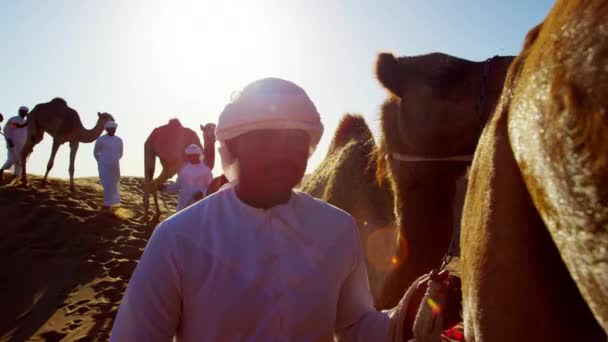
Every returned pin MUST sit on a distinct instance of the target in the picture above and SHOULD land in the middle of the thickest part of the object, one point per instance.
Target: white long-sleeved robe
(18, 136)
(191, 178)
(108, 151)
(221, 270)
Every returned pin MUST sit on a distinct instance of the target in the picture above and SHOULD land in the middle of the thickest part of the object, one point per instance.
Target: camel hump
(174, 123)
(351, 127)
(58, 101)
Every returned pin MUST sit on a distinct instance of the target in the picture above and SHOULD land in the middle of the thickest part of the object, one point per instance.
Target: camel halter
(403, 157)
(454, 242)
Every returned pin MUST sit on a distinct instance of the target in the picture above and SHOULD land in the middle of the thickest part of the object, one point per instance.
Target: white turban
(269, 103)
(193, 149)
(111, 124)
(24, 108)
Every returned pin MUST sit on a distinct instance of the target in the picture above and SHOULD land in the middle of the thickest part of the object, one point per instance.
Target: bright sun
(217, 44)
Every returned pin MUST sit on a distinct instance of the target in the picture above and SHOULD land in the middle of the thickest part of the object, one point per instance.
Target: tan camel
(64, 125)
(346, 178)
(431, 122)
(168, 142)
(535, 220)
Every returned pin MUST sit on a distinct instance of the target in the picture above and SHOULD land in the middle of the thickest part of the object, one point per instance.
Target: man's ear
(232, 146)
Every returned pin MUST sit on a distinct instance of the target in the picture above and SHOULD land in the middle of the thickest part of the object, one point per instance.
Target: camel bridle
(454, 245)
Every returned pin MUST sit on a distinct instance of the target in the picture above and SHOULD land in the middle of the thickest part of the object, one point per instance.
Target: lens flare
(435, 308)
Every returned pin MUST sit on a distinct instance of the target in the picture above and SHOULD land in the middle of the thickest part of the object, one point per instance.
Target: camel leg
(25, 152)
(73, 149)
(146, 199)
(162, 178)
(49, 166)
(148, 183)
(155, 197)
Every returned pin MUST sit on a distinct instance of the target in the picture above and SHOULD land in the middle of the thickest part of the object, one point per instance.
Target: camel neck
(90, 135)
(497, 72)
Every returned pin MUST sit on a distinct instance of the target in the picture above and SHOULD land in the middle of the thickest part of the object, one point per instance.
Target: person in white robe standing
(257, 261)
(192, 179)
(108, 151)
(15, 134)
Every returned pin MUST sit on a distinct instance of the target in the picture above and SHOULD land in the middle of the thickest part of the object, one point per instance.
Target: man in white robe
(257, 261)
(192, 179)
(108, 151)
(15, 134)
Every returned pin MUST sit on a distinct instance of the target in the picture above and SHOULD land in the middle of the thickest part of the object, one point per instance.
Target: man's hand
(10, 143)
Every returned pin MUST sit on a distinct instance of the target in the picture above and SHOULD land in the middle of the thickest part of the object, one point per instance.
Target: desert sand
(65, 263)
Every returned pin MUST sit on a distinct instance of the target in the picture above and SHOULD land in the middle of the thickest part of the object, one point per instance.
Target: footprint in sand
(123, 269)
(112, 295)
(83, 310)
(53, 336)
(110, 264)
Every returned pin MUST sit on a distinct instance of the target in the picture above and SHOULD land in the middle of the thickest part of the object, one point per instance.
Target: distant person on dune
(257, 261)
(15, 134)
(107, 152)
(192, 179)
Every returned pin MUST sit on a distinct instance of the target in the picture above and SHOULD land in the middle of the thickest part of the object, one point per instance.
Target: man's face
(23, 113)
(111, 131)
(272, 161)
(193, 158)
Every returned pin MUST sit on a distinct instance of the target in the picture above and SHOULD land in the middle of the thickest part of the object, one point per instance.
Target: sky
(147, 61)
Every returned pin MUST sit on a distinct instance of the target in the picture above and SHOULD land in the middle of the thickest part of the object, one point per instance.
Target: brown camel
(535, 220)
(64, 125)
(431, 122)
(168, 142)
(346, 179)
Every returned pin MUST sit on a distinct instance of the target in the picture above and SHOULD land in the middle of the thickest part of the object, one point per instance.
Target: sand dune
(65, 264)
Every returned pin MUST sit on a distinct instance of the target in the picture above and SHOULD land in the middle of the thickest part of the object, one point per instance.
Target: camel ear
(98, 114)
(202, 127)
(389, 74)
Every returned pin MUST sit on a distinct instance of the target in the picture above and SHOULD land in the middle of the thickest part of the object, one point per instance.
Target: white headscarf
(269, 103)
(193, 149)
(111, 124)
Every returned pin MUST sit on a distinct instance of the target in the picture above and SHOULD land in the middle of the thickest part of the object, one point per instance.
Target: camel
(64, 125)
(534, 237)
(431, 121)
(346, 179)
(168, 142)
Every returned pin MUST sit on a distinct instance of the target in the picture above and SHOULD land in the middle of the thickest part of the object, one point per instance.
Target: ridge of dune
(65, 264)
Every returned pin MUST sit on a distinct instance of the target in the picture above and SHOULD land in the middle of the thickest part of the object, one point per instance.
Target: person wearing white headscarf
(15, 134)
(108, 151)
(257, 261)
(192, 179)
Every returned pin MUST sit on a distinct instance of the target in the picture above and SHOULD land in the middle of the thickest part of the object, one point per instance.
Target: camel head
(208, 131)
(432, 110)
(102, 118)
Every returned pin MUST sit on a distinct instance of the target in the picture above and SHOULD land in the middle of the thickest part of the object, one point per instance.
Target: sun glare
(217, 45)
